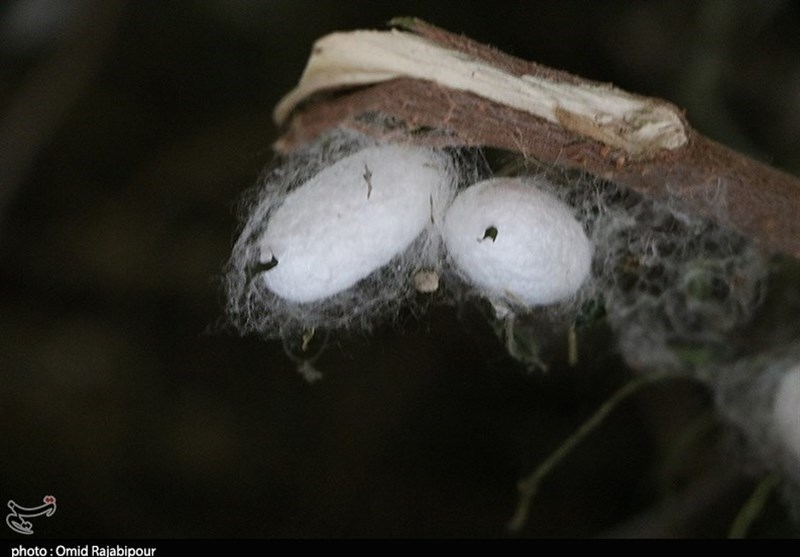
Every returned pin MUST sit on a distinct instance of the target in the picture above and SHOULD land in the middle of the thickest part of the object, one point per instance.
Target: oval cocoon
(516, 241)
(786, 411)
(352, 218)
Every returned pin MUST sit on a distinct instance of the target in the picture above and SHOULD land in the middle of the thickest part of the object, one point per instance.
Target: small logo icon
(16, 518)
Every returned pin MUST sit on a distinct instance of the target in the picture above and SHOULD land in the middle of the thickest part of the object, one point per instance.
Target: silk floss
(349, 229)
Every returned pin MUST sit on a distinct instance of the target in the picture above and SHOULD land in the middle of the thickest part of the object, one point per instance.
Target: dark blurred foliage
(129, 131)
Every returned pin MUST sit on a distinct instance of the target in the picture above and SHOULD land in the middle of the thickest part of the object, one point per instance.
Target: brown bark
(702, 177)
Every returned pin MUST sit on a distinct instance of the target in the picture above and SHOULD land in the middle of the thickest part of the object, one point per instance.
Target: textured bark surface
(702, 177)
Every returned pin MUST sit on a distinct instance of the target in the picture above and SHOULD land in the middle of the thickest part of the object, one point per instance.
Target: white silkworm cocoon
(786, 412)
(517, 242)
(352, 218)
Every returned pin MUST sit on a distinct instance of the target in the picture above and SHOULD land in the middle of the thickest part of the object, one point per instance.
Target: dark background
(127, 133)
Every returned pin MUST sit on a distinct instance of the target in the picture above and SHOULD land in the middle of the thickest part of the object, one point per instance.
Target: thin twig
(529, 486)
(753, 508)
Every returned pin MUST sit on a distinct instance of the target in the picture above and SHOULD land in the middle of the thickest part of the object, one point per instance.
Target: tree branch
(441, 89)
